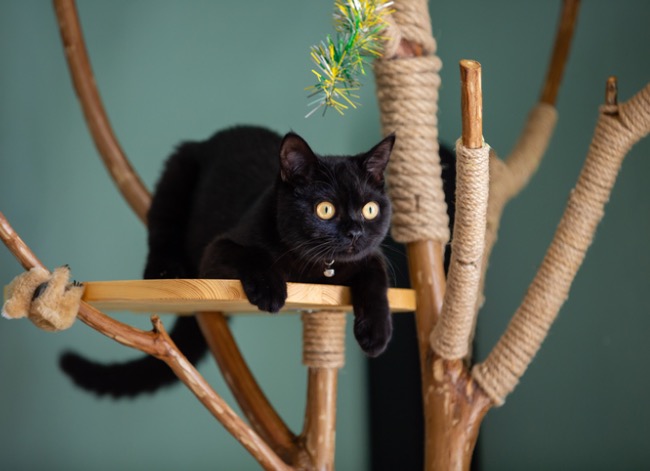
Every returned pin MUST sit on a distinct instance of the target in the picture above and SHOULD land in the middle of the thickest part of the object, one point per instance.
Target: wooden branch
(427, 275)
(16, 246)
(458, 406)
(564, 35)
(323, 353)
(186, 372)
(261, 415)
(615, 133)
(160, 345)
(99, 125)
(611, 92)
(319, 431)
(471, 102)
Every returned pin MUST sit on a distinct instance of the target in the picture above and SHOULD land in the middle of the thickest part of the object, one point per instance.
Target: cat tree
(457, 393)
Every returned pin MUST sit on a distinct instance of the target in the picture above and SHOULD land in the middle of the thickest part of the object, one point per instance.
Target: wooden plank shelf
(186, 296)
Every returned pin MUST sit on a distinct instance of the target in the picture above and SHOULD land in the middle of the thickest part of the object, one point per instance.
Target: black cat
(248, 204)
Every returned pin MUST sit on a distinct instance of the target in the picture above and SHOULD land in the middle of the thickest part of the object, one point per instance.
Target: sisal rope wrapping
(617, 130)
(449, 338)
(407, 91)
(323, 335)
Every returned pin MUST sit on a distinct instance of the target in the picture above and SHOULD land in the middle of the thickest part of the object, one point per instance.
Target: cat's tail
(143, 375)
(168, 218)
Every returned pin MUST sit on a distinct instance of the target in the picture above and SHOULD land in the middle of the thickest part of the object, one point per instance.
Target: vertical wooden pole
(323, 354)
(320, 417)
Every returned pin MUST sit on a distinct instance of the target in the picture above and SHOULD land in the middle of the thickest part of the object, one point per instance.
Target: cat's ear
(297, 160)
(376, 159)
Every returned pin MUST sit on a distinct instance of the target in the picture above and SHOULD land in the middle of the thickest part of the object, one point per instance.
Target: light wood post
(323, 354)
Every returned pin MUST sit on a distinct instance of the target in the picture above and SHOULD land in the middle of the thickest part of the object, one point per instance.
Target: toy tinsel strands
(359, 25)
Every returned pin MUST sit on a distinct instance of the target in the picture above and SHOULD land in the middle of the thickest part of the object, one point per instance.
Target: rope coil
(323, 339)
(450, 337)
(407, 91)
(615, 134)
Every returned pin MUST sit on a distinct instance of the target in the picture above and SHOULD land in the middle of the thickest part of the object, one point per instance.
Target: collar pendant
(329, 271)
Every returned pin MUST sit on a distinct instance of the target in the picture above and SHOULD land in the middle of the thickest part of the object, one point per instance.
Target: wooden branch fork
(456, 393)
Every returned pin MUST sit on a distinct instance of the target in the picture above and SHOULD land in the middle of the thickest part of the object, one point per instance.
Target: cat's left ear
(297, 160)
(376, 159)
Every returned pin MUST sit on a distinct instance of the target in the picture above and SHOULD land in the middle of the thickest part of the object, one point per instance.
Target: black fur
(241, 205)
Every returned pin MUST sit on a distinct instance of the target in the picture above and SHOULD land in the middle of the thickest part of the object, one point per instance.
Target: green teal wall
(171, 70)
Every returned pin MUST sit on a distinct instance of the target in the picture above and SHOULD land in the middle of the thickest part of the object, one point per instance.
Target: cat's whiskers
(317, 255)
(312, 252)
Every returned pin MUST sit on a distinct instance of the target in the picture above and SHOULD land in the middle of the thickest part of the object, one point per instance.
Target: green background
(172, 70)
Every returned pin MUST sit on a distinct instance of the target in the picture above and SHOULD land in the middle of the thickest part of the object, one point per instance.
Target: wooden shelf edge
(186, 296)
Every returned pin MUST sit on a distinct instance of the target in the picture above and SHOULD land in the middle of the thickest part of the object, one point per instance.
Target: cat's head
(332, 208)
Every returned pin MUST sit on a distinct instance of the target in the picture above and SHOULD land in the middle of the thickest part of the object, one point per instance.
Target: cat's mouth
(351, 252)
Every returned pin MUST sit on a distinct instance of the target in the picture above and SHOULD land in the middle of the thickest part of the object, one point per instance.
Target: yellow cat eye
(325, 210)
(370, 210)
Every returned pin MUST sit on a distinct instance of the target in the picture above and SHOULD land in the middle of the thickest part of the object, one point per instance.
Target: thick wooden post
(323, 354)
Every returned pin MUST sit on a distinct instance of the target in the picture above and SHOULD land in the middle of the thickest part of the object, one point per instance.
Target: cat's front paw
(266, 290)
(373, 332)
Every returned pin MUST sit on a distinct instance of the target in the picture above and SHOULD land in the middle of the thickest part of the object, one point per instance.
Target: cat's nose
(354, 234)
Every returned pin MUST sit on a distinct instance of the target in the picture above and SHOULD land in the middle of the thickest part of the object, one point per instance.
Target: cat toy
(359, 26)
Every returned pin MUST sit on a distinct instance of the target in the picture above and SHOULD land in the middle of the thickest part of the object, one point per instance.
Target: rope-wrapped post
(618, 128)
(323, 354)
(407, 90)
(450, 338)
